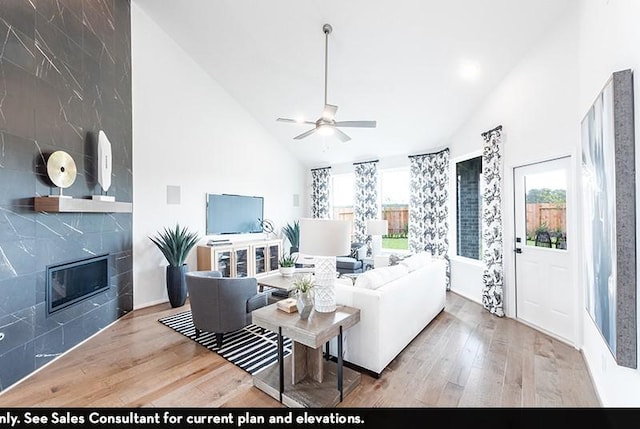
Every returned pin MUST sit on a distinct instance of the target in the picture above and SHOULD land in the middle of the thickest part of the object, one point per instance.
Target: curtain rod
(365, 162)
(498, 128)
(320, 168)
(430, 153)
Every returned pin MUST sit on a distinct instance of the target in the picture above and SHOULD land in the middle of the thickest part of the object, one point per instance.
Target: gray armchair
(222, 304)
(352, 263)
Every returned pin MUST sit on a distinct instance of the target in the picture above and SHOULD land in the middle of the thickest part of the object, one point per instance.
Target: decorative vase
(287, 271)
(304, 304)
(177, 285)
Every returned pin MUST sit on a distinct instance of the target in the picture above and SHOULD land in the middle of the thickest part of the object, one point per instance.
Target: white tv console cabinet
(241, 259)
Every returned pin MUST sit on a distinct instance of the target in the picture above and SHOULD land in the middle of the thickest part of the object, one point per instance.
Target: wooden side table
(306, 378)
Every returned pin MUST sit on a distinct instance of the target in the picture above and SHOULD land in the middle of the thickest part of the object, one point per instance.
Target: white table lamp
(325, 239)
(376, 228)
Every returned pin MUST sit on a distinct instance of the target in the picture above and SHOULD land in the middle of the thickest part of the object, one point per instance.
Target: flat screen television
(234, 214)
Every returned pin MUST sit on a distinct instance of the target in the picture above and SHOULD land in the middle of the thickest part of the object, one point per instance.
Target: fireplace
(74, 281)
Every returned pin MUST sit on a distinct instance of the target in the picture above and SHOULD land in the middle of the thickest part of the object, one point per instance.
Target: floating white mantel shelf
(80, 205)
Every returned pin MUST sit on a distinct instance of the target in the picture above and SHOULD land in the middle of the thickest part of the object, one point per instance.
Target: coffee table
(279, 282)
(275, 281)
(351, 276)
(305, 378)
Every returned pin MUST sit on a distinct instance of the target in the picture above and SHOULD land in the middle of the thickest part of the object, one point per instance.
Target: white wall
(188, 131)
(536, 105)
(609, 41)
(540, 105)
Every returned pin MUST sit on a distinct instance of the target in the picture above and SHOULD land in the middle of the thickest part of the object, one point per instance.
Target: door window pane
(546, 209)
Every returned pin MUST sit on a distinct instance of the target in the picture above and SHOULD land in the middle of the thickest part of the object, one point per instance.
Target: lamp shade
(325, 237)
(377, 227)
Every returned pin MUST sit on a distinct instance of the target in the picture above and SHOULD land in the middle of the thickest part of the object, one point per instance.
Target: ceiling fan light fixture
(327, 125)
(325, 130)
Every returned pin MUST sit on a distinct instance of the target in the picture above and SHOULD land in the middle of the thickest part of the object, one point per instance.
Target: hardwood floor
(464, 358)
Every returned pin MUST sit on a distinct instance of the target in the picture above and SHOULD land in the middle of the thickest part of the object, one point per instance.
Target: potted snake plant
(292, 232)
(175, 244)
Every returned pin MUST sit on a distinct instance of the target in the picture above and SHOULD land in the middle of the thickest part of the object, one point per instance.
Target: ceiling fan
(327, 124)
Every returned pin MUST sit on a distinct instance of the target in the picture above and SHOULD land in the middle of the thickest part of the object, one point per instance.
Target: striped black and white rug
(250, 348)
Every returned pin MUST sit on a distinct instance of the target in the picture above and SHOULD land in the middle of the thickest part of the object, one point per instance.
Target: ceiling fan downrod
(326, 28)
(327, 121)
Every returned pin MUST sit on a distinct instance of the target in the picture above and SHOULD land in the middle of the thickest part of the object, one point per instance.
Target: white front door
(545, 295)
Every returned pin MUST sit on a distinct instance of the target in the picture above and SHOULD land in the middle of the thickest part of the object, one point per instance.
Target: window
(468, 207)
(342, 191)
(546, 209)
(394, 197)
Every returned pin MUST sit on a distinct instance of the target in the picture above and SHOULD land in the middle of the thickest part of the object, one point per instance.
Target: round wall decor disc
(61, 169)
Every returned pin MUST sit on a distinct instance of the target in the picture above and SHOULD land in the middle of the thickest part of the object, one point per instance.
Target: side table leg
(326, 351)
(340, 362)
(281, 360)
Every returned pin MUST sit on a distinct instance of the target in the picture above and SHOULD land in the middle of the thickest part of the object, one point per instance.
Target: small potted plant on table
(287, 265)
(303, 291)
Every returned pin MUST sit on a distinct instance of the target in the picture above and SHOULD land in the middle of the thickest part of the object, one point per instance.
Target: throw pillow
(394, 259)
(354, 252)
(368, 280)
(416, 261)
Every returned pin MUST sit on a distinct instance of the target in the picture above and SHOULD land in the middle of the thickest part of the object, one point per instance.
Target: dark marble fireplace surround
(65, 74)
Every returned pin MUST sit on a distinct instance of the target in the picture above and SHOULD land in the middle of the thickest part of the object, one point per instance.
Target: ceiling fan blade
(360, 124)
(305, 134)
(341, 135)
(329, 112)
(294, 121)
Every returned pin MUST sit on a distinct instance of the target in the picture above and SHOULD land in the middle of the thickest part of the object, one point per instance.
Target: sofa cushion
(373, 279)
(416, 261)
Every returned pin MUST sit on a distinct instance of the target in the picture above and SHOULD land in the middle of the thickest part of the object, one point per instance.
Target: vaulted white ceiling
(399, 62)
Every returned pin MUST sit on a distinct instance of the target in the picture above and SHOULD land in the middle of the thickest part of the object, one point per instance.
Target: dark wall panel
(65, 74)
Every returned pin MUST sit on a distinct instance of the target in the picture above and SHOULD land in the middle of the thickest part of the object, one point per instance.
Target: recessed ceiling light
(469, 70)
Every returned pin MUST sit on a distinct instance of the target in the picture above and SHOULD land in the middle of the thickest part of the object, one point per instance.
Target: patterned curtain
(366, 198)
(429, 205)
(320, 186)
(492, 275)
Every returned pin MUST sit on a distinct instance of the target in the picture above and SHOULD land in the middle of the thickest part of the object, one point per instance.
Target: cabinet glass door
(223, 262)
(274, 256)
(260, 259)
(242, 262)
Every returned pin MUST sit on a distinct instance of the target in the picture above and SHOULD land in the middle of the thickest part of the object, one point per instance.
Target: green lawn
(395, 243)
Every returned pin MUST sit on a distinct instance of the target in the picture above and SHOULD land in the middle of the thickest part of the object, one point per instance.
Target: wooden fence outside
(553, 215)
(398, 217)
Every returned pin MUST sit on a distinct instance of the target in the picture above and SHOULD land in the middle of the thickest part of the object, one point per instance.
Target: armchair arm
(257, 301)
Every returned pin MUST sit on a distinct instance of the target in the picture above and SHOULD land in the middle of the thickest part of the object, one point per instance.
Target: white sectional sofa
(396, 303)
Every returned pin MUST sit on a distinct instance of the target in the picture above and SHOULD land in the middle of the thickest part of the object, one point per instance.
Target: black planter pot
(177, 285)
